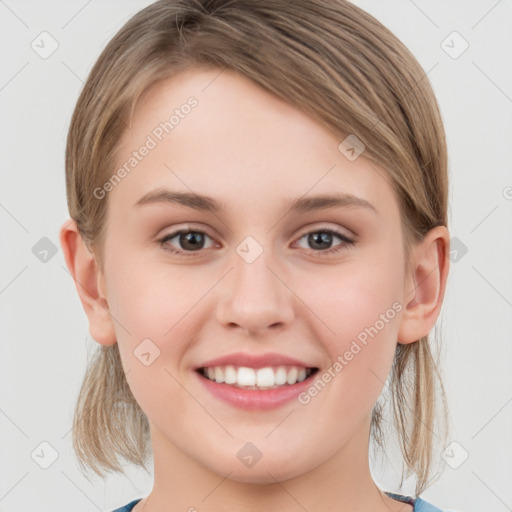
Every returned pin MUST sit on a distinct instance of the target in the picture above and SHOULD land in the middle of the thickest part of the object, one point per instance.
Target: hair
(334, 62)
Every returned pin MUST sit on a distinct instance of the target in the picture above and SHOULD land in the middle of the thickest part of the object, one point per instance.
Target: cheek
(352, 297)
(157, 308)
(359, 308)
(151, 299)
(150, 310)
(358, 331)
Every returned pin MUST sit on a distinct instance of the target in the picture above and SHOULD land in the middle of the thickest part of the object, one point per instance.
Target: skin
(255, 154)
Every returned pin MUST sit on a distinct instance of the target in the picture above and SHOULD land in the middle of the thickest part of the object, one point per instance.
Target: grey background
(43, 329)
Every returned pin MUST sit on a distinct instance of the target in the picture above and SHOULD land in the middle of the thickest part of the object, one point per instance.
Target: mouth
(257, 379)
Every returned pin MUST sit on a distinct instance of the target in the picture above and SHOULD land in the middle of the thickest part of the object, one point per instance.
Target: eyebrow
(206, 203)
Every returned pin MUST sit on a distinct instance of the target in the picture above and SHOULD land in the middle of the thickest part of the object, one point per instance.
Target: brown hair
(328, 58)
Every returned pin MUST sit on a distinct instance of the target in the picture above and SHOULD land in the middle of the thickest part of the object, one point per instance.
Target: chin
(261, 473)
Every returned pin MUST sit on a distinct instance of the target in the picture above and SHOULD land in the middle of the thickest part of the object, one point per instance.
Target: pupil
(321, 237)
(192, 239)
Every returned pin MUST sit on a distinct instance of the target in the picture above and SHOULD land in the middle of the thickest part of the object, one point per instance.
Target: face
(250, 286)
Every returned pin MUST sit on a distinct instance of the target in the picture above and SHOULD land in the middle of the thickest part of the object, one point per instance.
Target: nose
(255, 296)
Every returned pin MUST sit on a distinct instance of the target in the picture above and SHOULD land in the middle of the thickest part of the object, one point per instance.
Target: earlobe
(88, 281)
(425, 286)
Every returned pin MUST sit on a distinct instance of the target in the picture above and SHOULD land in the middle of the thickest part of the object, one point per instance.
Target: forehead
(217, 133)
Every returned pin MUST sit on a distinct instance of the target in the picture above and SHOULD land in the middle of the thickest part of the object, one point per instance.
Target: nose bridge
(253, 296)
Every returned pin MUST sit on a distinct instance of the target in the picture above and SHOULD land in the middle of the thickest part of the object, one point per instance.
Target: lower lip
(253, 399)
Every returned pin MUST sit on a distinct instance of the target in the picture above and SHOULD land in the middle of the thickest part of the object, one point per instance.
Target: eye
(321, 240)
(190, 241)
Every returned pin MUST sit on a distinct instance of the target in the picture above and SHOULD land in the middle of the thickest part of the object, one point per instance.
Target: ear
(425, 286)
(89, 283)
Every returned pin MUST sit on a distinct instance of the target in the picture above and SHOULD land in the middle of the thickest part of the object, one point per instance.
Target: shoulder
(127, 508)
(419, 504)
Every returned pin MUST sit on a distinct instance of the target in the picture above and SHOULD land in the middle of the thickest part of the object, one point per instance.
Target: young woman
(258, 235)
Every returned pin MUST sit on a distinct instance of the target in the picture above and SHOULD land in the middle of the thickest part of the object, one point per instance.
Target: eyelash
(347, 242)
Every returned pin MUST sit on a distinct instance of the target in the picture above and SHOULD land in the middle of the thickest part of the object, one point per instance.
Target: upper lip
(254, 360)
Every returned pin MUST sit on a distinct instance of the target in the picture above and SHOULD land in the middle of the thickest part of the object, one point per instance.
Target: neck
(342, 483)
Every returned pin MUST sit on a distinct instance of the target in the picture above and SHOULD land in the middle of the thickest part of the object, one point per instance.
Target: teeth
(244, 376)
(293, 373)
(302, 375)
(280, 376)
(260, 378)
(229, 375)
(265, 377)
(219, 374)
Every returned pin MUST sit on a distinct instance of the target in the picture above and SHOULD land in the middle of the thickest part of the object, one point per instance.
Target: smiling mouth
(269, 377)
